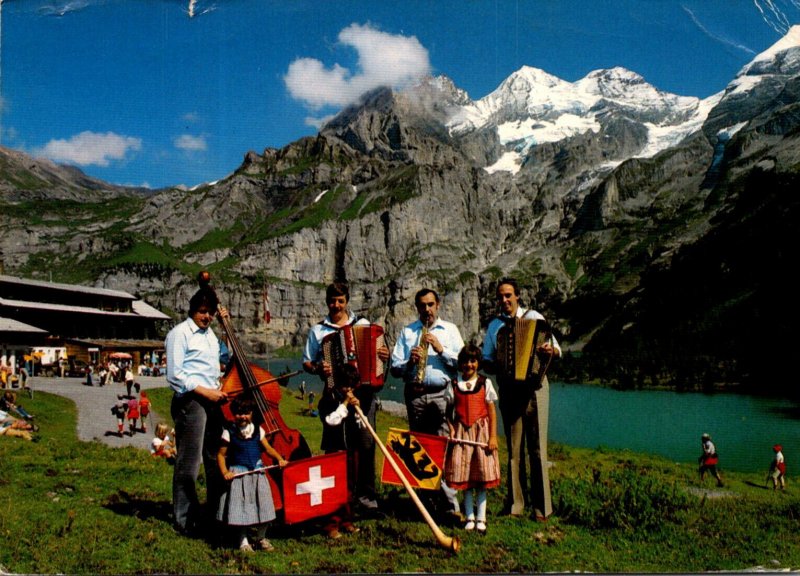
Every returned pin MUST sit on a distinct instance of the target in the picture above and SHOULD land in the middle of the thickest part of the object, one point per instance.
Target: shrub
(625, 498)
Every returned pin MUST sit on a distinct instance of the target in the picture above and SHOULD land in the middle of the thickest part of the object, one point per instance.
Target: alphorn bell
(452, 543)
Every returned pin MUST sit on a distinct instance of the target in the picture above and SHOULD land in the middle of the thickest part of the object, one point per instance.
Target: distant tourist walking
(709, 459)
(144, 409)
(777, 468)
(133, 415)
(119, 410)
(129, 380)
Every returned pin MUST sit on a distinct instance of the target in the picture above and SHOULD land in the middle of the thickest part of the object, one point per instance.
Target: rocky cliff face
(596, 195)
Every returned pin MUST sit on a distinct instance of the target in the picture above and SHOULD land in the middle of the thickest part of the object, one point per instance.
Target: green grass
(84, 508)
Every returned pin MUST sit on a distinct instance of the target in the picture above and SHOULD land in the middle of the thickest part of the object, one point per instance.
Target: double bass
(243, 377)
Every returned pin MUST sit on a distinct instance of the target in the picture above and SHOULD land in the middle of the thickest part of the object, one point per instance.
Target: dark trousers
(427, 413)
(198, 429)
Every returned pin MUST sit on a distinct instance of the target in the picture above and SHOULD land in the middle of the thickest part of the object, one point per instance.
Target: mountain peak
(530, 77)
(790, 40)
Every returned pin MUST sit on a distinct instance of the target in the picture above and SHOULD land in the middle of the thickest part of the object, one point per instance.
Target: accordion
(356, 345)
(517, 359)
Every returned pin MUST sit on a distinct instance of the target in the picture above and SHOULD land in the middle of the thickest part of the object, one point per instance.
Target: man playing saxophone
(425, 356)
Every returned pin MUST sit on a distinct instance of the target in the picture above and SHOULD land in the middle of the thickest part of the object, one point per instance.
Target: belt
(421, 389)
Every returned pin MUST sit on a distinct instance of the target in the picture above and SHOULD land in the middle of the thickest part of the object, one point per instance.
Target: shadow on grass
(755, 485)
(125, 504)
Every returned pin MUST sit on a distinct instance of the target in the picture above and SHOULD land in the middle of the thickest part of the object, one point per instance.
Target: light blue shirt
(312, 352)
(490, 342)
(193, 358)
(440, 369)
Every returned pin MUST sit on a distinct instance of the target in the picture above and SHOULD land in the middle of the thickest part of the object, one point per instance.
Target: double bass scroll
(243, 377)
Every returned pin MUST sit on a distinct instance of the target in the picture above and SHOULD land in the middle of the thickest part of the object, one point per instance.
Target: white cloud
(191, 143)
(61, 8)
(383, 60)
(318, 122)
(90, 148)
(716, 37)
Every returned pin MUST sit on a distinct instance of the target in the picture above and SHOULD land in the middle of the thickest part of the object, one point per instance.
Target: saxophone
(423, 357)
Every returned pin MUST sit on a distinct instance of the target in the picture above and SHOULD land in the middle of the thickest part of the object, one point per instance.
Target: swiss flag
(315, 486)
(265, 296)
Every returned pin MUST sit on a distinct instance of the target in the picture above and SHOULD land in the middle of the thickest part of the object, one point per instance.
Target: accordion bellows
(517, 342)
(356, 345)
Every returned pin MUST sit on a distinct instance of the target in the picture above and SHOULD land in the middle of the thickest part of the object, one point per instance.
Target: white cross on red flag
(314, 487)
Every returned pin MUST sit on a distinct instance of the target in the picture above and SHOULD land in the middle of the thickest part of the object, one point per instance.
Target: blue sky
(167, 92)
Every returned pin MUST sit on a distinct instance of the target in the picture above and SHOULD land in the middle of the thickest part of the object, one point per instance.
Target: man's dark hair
(203, 297)
(337, 289)
(470, 352)
(424, 292)
(511, 282)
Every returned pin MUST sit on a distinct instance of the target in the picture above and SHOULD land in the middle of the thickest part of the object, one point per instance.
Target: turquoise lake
(744, 428)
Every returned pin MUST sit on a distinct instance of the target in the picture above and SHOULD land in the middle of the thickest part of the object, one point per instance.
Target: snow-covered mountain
(532, 107)
(628, 215)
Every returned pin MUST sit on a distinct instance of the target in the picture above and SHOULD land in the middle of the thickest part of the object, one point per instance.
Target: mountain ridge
(390, 196)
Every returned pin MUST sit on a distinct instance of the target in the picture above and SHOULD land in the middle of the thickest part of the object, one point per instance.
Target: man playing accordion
(523, 404)
(337, 298)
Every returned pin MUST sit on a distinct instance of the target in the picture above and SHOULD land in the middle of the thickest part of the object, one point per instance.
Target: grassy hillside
(81, 508)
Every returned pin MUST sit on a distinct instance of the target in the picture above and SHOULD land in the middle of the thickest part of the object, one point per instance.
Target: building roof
(141, 310)
(11, 325)
(117, 344)
(66, 287)
(144, 309)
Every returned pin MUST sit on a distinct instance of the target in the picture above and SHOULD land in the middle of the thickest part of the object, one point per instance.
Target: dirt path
(95, 420)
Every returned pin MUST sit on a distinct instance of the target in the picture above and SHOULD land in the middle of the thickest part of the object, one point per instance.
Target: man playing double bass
(337, 298)
(194, 358)
(524, 413)
(425, 356)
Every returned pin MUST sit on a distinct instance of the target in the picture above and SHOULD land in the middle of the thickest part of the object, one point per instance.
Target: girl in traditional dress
(248, 498)
(472, 461)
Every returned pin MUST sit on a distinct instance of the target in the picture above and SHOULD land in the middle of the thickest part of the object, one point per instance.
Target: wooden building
(80, 322)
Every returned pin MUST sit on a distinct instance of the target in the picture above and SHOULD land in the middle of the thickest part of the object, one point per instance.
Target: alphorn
(452, 543)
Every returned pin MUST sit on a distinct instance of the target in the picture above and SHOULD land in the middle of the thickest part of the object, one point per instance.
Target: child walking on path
(119, 410)
(472, 461)
(777, 468)
(248, 498)
(133, 415)
(144, 409)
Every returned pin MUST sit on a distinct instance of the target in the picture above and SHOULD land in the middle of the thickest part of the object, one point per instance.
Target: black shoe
(189, 531)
